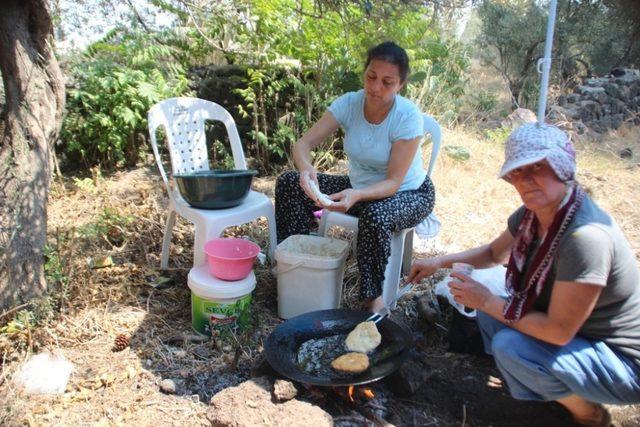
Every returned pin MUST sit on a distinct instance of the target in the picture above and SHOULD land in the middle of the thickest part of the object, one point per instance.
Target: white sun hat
(533, 142)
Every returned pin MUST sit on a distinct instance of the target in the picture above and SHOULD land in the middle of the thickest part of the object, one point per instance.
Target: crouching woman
(570, 329)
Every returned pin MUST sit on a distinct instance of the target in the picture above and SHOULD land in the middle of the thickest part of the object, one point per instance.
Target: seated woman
(570, 328)
(387, 187)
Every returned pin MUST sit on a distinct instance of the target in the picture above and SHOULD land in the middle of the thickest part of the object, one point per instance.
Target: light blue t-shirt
(369, 145)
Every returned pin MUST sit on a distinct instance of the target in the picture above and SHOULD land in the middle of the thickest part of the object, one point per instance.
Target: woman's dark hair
(392, 53)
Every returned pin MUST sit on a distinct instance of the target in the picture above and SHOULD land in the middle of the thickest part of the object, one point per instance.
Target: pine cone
(120, 343)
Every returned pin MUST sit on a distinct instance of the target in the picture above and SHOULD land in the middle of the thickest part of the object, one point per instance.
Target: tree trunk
(34, 91)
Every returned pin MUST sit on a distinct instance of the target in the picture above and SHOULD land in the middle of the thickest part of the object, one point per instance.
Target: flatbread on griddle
(352, 363)
(364, 338)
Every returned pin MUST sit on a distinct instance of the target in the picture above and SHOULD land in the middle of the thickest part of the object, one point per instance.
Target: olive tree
(591, 36)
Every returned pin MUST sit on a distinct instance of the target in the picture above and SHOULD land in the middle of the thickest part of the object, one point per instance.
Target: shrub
(117, 80)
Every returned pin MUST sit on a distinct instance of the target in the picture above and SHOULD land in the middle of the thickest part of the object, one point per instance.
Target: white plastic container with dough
(309, 271)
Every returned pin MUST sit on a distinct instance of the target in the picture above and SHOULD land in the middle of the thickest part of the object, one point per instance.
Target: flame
(351, 388)
(368, 393)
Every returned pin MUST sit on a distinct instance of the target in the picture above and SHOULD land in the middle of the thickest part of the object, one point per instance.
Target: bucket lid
(203, 284)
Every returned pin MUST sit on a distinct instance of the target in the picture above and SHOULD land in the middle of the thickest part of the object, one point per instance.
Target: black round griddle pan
(282, 345)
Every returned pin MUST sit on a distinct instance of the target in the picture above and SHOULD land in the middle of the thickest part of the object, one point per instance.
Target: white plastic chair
(184, 122)
(402, 241)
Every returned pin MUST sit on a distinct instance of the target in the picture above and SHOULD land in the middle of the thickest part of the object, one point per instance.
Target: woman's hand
(344, 200)
(423, 268)
(307, 176)
(468, 292)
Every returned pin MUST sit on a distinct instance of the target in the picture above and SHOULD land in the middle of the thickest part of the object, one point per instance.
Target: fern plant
(117, 80)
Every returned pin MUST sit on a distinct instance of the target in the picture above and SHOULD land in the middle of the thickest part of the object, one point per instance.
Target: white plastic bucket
(217, 303)
(309, 271)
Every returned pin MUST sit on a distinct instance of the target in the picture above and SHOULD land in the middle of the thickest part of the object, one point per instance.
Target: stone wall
(601, 103)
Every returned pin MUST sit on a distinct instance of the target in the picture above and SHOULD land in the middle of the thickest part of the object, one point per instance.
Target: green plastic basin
(215, 189)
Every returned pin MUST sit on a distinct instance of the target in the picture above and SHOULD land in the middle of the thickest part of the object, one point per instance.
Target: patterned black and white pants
(377, 220)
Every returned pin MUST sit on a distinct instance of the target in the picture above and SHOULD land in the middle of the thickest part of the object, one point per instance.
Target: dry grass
(471, 202)
(122, 216)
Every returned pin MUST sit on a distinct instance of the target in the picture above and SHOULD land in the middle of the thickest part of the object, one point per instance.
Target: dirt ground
(105, 238)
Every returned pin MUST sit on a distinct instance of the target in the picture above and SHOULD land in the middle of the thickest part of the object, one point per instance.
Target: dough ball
(322, 198)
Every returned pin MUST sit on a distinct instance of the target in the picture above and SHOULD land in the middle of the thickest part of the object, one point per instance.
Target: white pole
(545, 62)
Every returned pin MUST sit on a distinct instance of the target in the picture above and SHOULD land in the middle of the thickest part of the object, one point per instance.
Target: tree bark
(34, 91)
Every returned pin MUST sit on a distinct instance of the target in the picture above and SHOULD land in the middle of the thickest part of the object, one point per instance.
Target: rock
(595, 81)
(626, 153)
(599, 97)
(168, 386)
(562, 100)
(617, 106)
(520, 116)
(580, 128)
(590, 110)
(596, 128)
(412, 375)
(284, 390)
(558, 114)
(628, 76)
(590, 90)
(616, 121)
(573, 98)
(249, 404)
(605, 123)
(613, 90)
(428, 309)
(490, 124)
(617, 72)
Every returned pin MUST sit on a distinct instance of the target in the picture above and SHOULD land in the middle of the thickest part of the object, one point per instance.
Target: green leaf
(457, 152)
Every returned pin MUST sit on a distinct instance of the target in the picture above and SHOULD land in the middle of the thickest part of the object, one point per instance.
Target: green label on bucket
(207, 315)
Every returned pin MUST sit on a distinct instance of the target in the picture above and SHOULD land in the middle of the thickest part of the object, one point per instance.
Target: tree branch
(203, 35)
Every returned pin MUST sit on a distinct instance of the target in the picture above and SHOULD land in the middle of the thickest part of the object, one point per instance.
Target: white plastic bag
(425, 232)
(44, 374)
(492, 278)
(429, 227)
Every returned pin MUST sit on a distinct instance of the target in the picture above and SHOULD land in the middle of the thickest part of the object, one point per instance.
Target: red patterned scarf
(525, 287)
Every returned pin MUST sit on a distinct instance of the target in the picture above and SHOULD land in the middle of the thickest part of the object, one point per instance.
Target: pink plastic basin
(230, 258)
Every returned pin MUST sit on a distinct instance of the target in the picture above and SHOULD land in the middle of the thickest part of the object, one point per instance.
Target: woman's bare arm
(494, 253)
(308, 142)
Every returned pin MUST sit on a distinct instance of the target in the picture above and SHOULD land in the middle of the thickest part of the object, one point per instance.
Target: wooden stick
(464, 415)
(377, 420)
(14, 309)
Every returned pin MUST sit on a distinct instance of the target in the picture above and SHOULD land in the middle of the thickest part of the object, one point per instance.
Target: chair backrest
(183, 120)
(432, 127)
